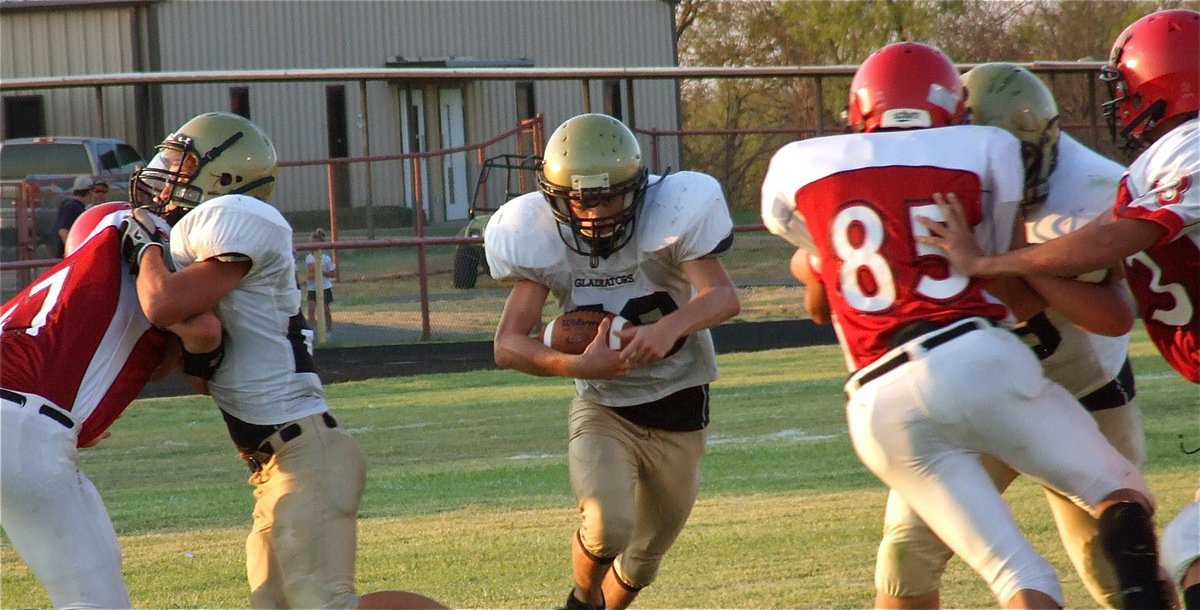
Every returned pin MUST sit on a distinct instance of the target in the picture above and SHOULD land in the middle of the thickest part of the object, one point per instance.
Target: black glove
(138, 232)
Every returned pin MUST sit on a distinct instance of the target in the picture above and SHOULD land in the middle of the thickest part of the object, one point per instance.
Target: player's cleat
(573, 603)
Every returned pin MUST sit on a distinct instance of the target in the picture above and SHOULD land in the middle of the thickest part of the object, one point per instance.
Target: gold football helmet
(590, 159)
(1015, 99)
(213, 154)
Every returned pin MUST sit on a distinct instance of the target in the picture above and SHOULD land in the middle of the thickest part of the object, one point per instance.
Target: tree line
(813, 33)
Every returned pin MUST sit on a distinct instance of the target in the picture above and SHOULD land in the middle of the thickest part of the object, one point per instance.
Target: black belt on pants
(287, 432)
(47, 410)
(879, 369)
(1115, 393)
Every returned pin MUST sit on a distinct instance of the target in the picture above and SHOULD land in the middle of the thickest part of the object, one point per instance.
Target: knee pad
(636, 576)
(910, 562)
(604, 534)
(597, 559)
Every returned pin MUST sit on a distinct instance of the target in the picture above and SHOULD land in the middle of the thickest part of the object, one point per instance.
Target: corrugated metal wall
(325, 34)
(82, 40)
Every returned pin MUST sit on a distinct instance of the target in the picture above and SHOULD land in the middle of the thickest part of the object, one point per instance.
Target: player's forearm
(522, 353)
(170, 298)
(1103, 309)
(1096, 246)
(1018, 295)
(153, 289)
(200, 333)
(708, 308)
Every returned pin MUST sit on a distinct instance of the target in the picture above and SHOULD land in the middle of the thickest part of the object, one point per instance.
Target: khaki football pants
(635, 487)
(301, 550)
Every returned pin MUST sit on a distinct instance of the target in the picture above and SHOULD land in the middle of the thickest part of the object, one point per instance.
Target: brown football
(572, 331)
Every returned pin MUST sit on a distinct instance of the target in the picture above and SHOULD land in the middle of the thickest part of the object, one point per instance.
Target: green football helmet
(588, 160)
(1013, 98)
(213, 154)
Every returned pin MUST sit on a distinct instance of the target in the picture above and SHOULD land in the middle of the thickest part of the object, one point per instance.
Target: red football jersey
(93, 357)
(1160, 187)
(853, 201)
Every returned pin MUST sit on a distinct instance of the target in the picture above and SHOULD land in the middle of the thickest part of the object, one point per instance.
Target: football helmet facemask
(589, 160)
(1015, 99)
(905, 85)
(213, 154)
(1152, 74)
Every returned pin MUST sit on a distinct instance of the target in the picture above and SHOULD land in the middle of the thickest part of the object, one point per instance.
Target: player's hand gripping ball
(140, 231)
(573, 331)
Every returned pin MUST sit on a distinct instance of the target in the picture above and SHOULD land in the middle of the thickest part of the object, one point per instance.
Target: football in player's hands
(573, 331)
(138, 232)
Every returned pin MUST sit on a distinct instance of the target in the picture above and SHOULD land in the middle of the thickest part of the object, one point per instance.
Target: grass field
(468, 501)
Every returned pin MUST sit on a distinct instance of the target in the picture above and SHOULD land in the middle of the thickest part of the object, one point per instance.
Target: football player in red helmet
(938, 378)
(1066, 186)
(1154, 77)
(1154, 71)
(1151, 75)
(905, 85)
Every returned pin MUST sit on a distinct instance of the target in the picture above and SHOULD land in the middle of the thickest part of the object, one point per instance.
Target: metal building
(317, 120)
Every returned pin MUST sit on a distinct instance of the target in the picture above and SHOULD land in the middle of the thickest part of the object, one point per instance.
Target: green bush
(351, 218)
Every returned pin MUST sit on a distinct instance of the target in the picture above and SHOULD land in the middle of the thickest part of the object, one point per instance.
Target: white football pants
(921, 427)
(53, 514)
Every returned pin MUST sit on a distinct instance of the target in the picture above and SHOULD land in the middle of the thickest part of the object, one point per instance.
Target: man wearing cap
(70, 209)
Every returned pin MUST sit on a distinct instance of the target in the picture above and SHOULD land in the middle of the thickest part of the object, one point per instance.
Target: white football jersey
(267, 376)
(683, 217)
(1082, 187)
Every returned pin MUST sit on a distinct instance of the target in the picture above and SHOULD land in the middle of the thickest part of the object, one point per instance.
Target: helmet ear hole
(225, 179)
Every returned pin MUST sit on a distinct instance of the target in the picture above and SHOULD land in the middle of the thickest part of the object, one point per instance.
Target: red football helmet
(1152, 73)
(905, 85)
(87, 221)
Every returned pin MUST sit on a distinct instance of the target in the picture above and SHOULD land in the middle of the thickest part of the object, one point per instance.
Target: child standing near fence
(327, 273)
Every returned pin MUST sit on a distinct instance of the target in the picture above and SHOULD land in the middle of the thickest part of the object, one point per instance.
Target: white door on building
(412, 132)
(454, 168)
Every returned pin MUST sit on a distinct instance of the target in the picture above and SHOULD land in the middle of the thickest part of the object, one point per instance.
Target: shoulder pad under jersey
(231, 224)
(778, 206)
(521, 239)
(685, 211)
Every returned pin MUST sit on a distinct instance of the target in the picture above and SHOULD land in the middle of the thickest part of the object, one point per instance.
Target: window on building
(239, 101)
(612, 98)
(24, 116)
(526, 103)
